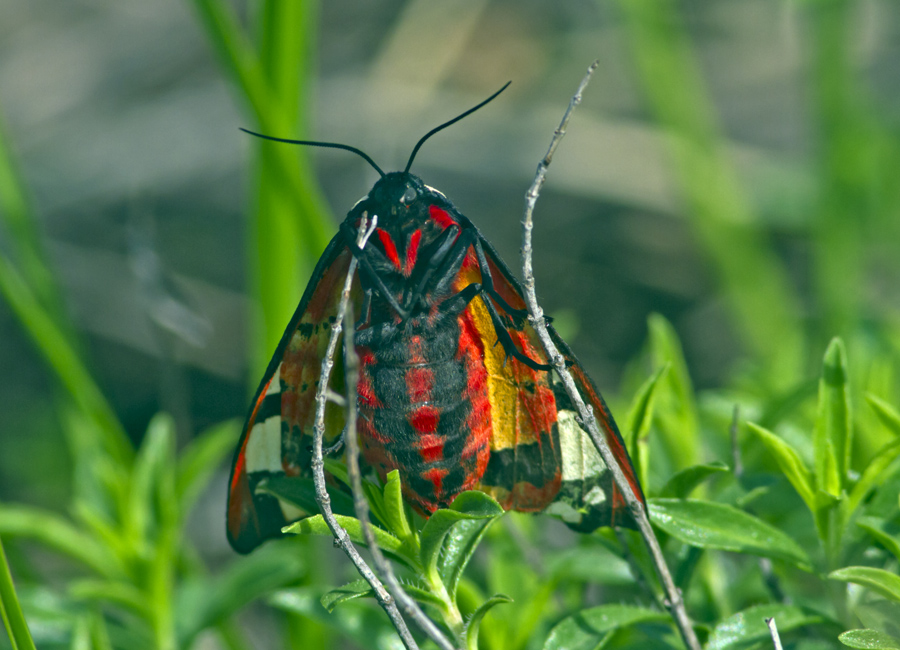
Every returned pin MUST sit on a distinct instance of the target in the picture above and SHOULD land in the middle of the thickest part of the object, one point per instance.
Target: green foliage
(797, 520)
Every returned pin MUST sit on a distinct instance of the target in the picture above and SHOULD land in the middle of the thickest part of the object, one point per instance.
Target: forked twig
(361, 506)
(341, 538)
(675, 603)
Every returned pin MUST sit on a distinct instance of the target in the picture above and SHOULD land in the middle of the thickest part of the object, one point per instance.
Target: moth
(455, 390)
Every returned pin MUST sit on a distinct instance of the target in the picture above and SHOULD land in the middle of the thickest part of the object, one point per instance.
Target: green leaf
(723, 527)
(637, 425)
(684, 482)
(869, 640)
(395, 509)
(362, 589)
(884, 582)
(468, 505)
(874, 474)
(205, 601)
(584, 630)
(350, 591)
(790, 464)
(874, 526)
(459, 546)
(199, 460)
(475, 620)
(386, 542)
(676, 409)
(112, 592)
(57, 533)
(834, 429)
(886, 414)
(151, 503)
(749, 626)
(367, 626)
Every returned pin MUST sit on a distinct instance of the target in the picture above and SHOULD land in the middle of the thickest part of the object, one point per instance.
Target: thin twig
(361, 506)
(738, 468)
(341, 538)
(773, 630)
(675, 603)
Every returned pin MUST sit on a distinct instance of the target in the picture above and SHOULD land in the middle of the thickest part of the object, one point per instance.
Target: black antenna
(446, 124)
(328, 145)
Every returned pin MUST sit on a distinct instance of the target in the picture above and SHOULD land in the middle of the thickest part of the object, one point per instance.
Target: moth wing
(586, 498)
(278, 430)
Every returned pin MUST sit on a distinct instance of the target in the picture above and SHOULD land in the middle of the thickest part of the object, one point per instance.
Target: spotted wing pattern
(580, 491)
(278, 431)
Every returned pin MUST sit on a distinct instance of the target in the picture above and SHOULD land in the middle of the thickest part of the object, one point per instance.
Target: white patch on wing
(580, 459)
(275, 384)
(264, 446)
(291, 512)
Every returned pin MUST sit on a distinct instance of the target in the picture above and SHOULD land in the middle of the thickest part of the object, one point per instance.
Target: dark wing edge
(511, 290)
(254, 518)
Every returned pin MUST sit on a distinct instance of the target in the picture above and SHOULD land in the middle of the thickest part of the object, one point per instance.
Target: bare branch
(674, 602)
(773, 630)
(342, 539)
(410, 607)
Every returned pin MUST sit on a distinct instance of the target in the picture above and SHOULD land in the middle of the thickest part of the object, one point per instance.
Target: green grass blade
(18, 218)
(62, 358)
(12, 610)
(764, 309)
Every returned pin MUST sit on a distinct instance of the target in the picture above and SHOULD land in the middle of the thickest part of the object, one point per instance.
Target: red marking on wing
(510, 290)
(412, 252)
(441, 216)
(253, 518)
(471, 353)
(390, 248)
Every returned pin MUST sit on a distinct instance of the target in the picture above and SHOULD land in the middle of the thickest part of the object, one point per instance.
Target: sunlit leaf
(474, 623)
(723, 527)
(468, 505)
(869, 640)
(884, 582)
(749, 626)
(584, 630)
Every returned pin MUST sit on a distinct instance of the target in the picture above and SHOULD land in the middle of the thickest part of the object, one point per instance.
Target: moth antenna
(327, 145)
(456, 119)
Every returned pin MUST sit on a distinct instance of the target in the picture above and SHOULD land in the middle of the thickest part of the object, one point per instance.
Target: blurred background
(733, 167)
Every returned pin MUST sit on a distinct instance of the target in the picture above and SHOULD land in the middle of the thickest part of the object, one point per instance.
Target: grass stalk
(751, 275)
(13, 618)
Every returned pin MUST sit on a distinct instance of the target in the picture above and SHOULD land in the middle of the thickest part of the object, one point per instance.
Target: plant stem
(536, 318)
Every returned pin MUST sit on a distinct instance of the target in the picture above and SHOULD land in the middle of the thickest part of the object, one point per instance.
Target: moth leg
(362, 255)
(365, 311)
(503, 337)
(487, 281)
(451, 243)
(454, 305)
